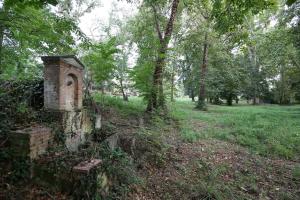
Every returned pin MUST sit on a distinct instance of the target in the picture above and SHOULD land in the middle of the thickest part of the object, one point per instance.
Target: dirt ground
(213, 169)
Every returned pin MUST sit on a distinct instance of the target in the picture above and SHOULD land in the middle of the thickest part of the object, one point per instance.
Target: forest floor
(238, 152)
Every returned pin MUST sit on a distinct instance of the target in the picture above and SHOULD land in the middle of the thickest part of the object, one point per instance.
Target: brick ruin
(63, 114)
(63, 98)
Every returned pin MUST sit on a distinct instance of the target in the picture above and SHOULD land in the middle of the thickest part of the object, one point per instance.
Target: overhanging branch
(157, 23)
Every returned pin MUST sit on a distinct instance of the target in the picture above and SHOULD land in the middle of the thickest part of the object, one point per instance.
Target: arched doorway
(71, 85)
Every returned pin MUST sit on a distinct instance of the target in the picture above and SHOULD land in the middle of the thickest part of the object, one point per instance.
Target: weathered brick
(63, 83)
(30, 142)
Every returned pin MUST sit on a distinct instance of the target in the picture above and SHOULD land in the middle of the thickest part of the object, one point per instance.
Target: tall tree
(157, 97)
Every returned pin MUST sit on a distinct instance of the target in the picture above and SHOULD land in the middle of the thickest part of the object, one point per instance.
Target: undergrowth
(132, 107)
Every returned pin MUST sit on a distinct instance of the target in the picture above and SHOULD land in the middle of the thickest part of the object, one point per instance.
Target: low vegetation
(192, 155)
(269, 130)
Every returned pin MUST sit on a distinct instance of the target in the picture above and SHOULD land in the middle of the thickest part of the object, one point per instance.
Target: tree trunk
(102, 88)
(1, 46)
(156, 98)
(202, 93)
(192, 95)
(253, 61)
(229, 100)
(125, 97)
(2, 28)
(237, 100)
(172, 84)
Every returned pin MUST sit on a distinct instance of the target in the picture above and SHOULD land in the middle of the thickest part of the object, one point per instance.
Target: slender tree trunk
(156, 98)
(102, 88)
(237, 100)
(161, 64)
(2, 28)
(172, 84)
(192, 95)
(253, 61)
(125, 97)
(1, 46)
(283, 99)
(202, 93)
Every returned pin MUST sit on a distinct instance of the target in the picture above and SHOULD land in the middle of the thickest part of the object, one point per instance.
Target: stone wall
(77, 126)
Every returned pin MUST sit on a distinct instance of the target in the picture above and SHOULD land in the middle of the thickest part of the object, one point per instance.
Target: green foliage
(17, 102)
(230, 14)
(290, 2)
(27, 29)
(278, 57)
(296, 173)
(100, 60)
(150, 148)
(20, 170)
(120, 169)
(144, 36)
(34, 3)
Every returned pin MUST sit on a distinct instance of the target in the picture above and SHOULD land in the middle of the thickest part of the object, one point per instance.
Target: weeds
(132, 107)
(296, 173)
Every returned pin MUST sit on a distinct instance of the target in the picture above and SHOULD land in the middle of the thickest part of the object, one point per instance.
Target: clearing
(238, 152)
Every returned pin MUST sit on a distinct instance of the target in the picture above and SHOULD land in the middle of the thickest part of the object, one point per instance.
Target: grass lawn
(265, 129)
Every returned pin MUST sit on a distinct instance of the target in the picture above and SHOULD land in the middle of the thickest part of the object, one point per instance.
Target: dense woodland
(217, 55)
(218, 51)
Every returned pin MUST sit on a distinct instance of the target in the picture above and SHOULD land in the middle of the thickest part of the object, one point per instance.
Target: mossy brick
(30, 142)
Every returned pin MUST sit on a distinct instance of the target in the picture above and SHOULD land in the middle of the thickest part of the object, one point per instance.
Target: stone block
(76, 125)
(86, 166)
(89, 180)
(113, 141)
(98, 123)
(87, 122)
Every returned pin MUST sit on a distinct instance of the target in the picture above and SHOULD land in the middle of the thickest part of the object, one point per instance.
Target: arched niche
(71, 92)
(63, 83)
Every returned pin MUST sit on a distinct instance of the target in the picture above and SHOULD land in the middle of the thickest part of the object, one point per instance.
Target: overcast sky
(92, 23)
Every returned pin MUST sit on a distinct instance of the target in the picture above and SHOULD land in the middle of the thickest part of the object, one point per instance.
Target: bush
(18, 102)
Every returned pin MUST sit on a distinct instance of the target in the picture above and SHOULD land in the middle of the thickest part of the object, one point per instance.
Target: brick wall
(31, 142)
(63, 85)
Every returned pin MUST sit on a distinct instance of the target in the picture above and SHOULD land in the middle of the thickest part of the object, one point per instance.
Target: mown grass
(264, 129)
